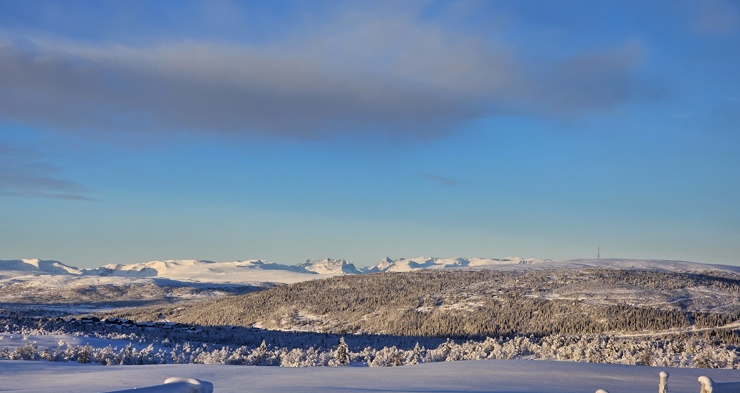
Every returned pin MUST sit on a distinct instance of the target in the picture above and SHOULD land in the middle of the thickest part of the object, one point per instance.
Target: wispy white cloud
(442, 180)
(717, 17)
(23, 174)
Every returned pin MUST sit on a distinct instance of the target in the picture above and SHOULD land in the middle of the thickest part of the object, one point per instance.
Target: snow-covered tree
(85, 355)
(27, 351)
(341, 355)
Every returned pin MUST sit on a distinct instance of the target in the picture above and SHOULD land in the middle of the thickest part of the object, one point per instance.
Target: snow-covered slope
(645, 264)
(35, 266)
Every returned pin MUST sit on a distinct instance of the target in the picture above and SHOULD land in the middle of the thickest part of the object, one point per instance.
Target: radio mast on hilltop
(598, 252)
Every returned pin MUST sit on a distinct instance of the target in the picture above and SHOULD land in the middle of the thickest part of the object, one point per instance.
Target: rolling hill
(561, 298)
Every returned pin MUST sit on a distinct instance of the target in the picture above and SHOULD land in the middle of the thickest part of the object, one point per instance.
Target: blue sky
(138, 130)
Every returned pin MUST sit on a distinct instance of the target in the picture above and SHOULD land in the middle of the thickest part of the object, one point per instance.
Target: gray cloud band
(295, 90)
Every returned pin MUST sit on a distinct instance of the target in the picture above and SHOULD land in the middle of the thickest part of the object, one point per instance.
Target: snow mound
(175, 385)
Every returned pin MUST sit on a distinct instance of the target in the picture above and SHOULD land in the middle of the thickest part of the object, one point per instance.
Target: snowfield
(510, 376)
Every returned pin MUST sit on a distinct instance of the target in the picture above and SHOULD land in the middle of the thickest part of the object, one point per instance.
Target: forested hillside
(115, 294)
(480, 303)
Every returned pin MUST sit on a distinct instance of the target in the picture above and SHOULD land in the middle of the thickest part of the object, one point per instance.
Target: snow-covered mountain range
(407, 265)
(197, 271)
(251, 271)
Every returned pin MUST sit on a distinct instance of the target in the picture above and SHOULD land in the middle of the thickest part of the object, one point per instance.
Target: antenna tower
(598, 252)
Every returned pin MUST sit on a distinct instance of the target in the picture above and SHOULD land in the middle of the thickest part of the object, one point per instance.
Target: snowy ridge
(509, 263)
(407, 265)
(37, 266)
(646, 264)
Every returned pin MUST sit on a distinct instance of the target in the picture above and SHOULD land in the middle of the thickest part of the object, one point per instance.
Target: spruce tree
(342, 353)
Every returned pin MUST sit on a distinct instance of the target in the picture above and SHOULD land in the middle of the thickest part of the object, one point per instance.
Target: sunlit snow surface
(525, 376)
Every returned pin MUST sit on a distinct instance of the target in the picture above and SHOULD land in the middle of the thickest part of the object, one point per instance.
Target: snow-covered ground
(510, 376)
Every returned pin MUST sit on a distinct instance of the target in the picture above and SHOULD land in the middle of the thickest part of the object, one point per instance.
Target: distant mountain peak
(330, 266)
(38, 266)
